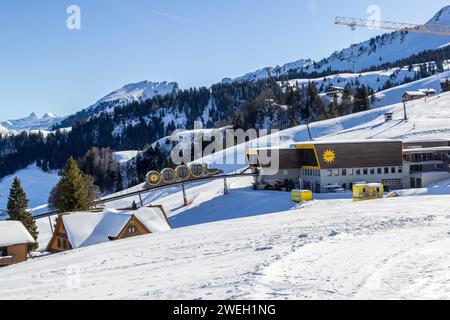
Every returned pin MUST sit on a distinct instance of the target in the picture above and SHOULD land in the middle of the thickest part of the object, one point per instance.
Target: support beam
(185, 200)
(51, 225)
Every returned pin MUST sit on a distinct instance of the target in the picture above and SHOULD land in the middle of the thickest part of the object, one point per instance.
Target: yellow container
(368, 191)
(302, 195)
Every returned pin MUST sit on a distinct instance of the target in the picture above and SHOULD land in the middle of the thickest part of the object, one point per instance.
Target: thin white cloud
(171, 16)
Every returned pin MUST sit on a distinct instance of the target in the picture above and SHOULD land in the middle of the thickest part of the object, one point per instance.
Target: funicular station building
(329, 166)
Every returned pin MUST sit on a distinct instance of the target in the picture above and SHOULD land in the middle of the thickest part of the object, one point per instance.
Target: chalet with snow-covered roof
(83, 229)
(332, 91)
(413, 95)
(14, 241)
(428, 92)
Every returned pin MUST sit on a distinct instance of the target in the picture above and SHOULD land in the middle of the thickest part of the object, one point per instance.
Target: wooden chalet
(413, 95)
(83, 229)
(14, 241)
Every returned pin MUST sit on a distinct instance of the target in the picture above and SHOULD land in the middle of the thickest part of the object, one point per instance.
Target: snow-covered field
(327, 249)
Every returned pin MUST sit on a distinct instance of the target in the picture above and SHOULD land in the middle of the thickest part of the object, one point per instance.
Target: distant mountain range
(378, 51)
(32, 122)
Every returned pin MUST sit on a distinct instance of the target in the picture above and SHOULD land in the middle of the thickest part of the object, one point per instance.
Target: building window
(358, 172)
(372, 171)
(386, 170)
(329, 173)
(336, 173)
(365, 172)
(400, 169)
(380, 171)
(344, 172)
(393, 170)
(350, 172)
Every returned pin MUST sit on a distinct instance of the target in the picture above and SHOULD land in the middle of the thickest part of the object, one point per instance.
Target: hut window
(131, 230)
(2, 252)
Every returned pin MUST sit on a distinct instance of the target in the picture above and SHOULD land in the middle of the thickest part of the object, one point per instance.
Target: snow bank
(36, 183)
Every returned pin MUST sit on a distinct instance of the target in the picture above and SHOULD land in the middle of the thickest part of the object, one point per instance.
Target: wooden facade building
(14, 241)
(82, 229)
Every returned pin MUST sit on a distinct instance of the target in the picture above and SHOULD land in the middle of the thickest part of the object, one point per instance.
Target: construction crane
(353, 23)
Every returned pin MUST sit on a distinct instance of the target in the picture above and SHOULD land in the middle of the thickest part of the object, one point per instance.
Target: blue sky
(44, 67)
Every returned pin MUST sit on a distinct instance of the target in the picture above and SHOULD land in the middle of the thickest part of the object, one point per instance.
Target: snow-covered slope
(394, 95)
(391, 248)
(36, 183)
(32, 122)
(272, 72)
(134, 92)
(428, 118)
(383, 49)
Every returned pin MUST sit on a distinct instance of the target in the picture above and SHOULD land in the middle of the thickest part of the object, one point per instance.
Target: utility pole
(225, 187)
(140, 199)
(404, 110)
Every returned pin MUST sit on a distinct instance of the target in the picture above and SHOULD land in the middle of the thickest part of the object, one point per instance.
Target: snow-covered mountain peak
(49, 115)
(139, 91)
(375, 52)
(31, 122)
(442, 17)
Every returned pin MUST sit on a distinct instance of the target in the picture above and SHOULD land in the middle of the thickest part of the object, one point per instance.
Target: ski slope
(36, 183)
(328, 249)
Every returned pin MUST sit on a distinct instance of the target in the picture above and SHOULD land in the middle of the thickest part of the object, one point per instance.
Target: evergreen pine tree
(18, 210)
(75, 191)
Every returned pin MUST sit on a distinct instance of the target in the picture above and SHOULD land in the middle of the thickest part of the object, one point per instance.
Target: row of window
(364, 171)
(311, 173)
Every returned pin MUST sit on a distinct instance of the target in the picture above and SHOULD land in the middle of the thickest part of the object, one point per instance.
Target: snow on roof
(153, 219)
(429, 90)
(370, 185)
(317, 142)
(88, 228)
(14, 232)
(427, 150)
(414, 93)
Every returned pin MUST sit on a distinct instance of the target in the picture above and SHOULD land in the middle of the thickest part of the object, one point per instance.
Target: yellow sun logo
(329, 156)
